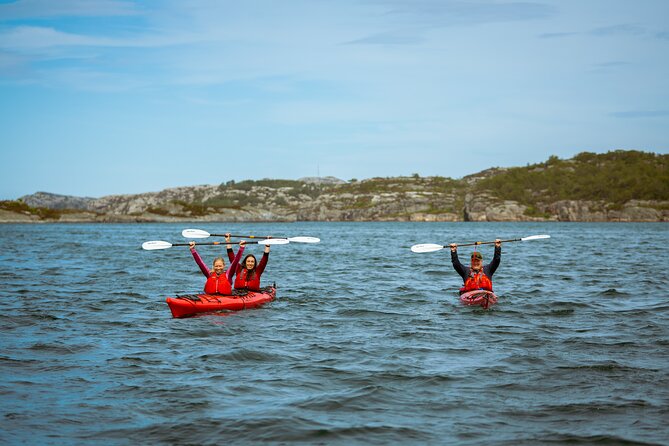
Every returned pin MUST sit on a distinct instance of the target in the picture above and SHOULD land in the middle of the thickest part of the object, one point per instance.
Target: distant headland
(621, 185)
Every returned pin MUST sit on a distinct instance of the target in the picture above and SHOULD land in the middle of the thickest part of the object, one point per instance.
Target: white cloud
(30, 38)
(22, 38)
(30, 9)
(431, 78)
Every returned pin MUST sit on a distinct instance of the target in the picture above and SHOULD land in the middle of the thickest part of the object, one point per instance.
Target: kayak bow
(483, 298)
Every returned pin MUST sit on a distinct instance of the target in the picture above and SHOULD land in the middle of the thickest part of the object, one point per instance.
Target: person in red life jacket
(477, 276)
(249, 270)
(218, 280)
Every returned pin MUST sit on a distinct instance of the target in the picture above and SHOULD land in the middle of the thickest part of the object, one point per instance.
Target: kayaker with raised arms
(218, 280)
(477, 276)
(249, 270)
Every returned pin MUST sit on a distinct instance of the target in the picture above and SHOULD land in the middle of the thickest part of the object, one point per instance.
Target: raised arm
(263, 261)
(231, 253)
(459, 267)
(490, 269)
(198, 260)
(235, 262)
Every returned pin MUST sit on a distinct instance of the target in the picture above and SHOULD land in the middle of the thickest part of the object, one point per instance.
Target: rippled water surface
(365, 344)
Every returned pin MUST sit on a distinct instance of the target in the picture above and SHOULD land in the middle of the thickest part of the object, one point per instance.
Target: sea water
(367, 342)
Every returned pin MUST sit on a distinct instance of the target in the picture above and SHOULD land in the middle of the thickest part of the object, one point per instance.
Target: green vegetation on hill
(43, 213)
(247, 185)
(236, 195)
(401, 184)
(615, 177)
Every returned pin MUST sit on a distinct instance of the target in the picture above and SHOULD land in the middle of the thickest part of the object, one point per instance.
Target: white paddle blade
(535, 237)
(195, 233)
(273, 241)
(156, 244)
(427, 247)
(304, 239)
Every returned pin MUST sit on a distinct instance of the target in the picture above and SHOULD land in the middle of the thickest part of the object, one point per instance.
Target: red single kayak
(479, 297)
(188, 305)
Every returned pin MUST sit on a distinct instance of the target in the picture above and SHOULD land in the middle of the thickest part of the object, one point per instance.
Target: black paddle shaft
(488, 243)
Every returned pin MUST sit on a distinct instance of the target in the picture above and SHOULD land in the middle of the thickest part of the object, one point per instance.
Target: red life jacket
(477, 281)
(242, 280)
(217, 284)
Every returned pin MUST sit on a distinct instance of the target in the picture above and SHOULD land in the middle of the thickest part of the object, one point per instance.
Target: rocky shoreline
(385, 208)
(620, 186)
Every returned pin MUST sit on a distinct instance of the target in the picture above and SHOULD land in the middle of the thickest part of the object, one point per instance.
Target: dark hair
(254, 258)
(251, 272)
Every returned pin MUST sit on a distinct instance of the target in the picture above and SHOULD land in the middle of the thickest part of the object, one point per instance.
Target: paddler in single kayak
(218, 280)
(248, 272)
(477, 276)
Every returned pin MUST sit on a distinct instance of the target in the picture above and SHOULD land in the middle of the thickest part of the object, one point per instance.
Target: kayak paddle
(159, 244)
(199, 233)
(432, 247)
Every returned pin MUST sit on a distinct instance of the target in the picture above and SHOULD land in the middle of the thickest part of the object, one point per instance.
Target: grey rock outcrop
(56, 201)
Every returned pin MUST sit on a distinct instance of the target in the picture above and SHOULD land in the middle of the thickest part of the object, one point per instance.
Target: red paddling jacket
(249, 279)
(477, 281)
(218, 283)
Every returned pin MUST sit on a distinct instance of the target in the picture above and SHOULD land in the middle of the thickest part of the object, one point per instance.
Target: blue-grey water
(366, 343)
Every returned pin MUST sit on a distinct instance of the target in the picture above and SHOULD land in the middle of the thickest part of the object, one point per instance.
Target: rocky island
(621, 185)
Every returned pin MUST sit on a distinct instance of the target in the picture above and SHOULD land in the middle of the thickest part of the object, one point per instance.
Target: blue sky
(101, 97)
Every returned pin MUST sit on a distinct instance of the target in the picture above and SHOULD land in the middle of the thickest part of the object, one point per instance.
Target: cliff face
(535, 193)
(633, 210)
(484, 207)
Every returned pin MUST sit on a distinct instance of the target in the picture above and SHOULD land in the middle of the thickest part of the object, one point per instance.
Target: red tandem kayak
(483, 298)
(188, 305)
